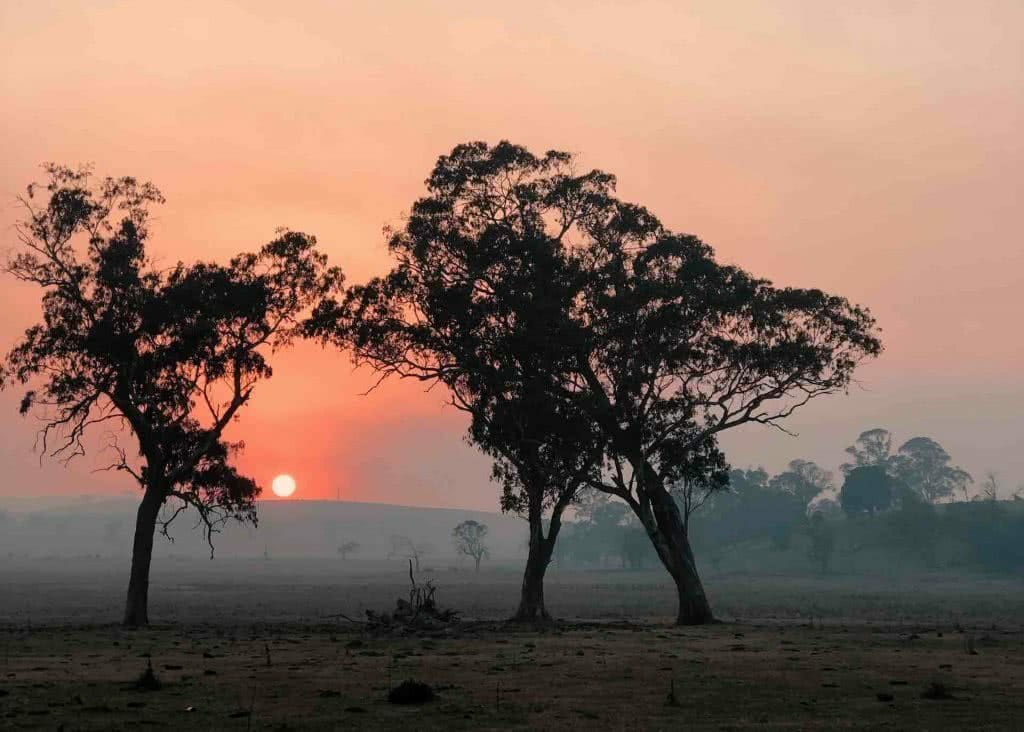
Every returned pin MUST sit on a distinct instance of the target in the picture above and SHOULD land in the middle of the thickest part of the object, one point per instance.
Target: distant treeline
(912, 506)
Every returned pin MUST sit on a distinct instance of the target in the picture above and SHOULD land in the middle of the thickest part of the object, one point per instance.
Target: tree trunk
(477, 568)
(136, 611)
(531, 600)
(694, 608)
(663, 522)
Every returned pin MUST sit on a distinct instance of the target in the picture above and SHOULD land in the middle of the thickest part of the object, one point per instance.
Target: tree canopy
(470, 539)
(516, 275)
(867, 489)
(872, 447)
(925, 467)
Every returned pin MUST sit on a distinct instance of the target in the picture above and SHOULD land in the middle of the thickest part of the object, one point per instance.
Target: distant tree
(990, 487)
(402, 547)
(753, 508)
(867, 489)
(924, 466)
(600, 529)
(748, 481)
(803, 479)
(470, 538)
(349, 547)
(699, 482)
(606, 530)
(872, 447)
(823, 541)
(602, 512)
(635, 547)
(172, 353)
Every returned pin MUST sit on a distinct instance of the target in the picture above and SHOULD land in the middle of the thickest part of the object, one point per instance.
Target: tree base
(709, 620)
(532, 616)
(536, 621)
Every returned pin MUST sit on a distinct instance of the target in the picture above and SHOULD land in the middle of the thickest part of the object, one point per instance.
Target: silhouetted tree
(470, 541)
(803, 479)
(990, 487)
(872, 447)
(349, 547)
(867, 489)
(676, 348)
(754, 507)
(924, 466)
(170, 353)
(661, 347)
(477, 300)
(600, 528)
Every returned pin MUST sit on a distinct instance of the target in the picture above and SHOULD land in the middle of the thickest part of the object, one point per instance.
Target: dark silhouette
(470, 541)
(660, 347)
(477, 301)
(170, 353)
(755, 507)
(674, 348)
(803, 479)
(605, 529)
(868, 489)
(349, 547)
(872, 447)
(924, 466)
(990, 487)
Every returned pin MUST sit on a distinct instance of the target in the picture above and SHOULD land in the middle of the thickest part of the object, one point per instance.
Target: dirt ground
(488, 676)
(251, 646)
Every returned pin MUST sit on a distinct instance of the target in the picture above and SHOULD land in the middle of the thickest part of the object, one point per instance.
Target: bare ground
(489, 676)
(241, 651)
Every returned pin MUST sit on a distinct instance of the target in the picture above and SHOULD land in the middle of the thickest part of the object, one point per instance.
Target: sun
(283, 485)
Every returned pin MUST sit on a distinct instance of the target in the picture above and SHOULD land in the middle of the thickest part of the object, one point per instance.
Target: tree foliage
(517, 276)
(168, 354)
(470, 538)
(803, 479)
(867, 489)
(872, 447)
(924, 466)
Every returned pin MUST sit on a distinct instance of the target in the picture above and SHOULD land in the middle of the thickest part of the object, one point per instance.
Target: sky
(872, 149)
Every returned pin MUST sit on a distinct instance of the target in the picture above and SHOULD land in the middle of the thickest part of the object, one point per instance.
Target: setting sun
(283, 486)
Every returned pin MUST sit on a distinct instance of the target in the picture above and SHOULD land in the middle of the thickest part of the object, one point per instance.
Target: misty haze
(587, 366)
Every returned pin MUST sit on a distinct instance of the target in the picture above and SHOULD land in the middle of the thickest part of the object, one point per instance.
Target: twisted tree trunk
(660, 516)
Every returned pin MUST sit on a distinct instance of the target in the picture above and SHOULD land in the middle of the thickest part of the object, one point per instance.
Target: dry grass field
(260, 653)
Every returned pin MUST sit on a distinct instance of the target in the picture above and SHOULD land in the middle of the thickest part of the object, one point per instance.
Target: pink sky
(872, 149)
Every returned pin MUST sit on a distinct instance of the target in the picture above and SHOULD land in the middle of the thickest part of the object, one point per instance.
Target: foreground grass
(491, 676)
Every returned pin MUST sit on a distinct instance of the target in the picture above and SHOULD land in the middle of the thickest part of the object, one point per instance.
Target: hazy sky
(871, 149)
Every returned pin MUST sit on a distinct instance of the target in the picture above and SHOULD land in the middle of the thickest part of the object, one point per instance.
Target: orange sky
(873, 149)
